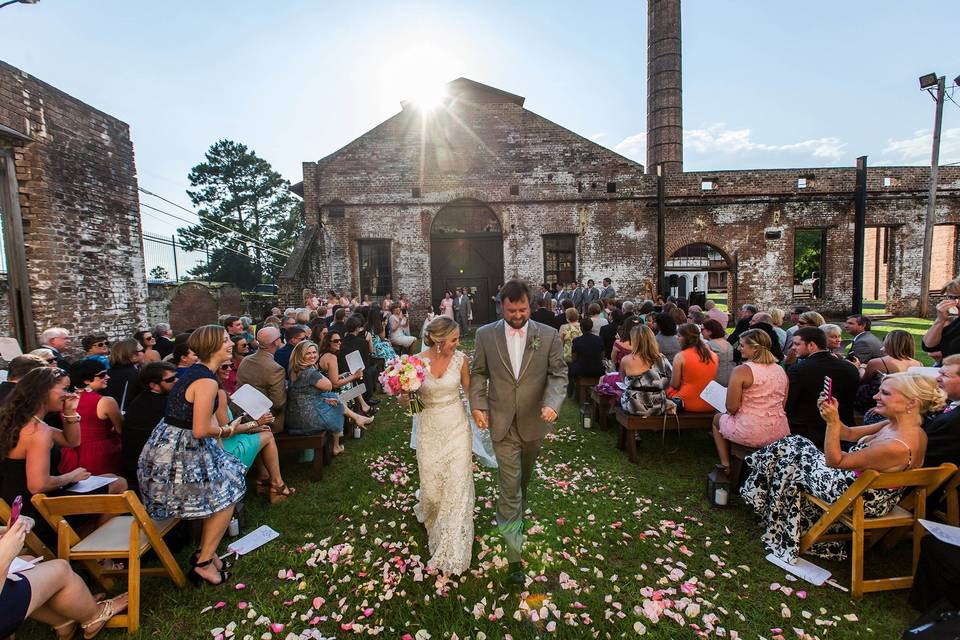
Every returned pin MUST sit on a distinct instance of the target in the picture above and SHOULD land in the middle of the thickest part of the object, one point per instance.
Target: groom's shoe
(515, 574)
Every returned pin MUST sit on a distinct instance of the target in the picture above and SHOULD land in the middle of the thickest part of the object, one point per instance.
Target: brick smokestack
(664, 99)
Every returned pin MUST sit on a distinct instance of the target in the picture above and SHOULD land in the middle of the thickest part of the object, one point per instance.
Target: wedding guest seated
(163, 333)
(598, 321)
(667, 341)
(834, 338)
(355, 339)
(762, 320)
(96, 347)
(329, 364)
(50, 592)
(181, 356)
(795, 314)
(399, 330)
(339, 317)
(292, 336)
(693, 369)
(898, 351)
(782, 472)
(806, 383)
(776, 319)
(18, 367)
(183, 472)
(943, 428)
(716, 314)
(743, 323)
(262, 372)
(622, 346)
(146, 340)
(26, 442)
(716, 338)
(569, 332)
(241, 349)
(124, 383)
(608, 334)
(866, 346)
(679, 315)
(100, 423)
(57, 340)
(646, 374)
(251, 441)
(47, 356)
(755, 397)
(646, 308)
(312, 405)
(587, 355)
(381, 346)
(144, 413)
(543, 315)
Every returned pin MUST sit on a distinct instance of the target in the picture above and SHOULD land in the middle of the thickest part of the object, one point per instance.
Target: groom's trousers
(515, 463)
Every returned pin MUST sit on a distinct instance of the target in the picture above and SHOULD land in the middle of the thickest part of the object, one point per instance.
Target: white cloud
(717, 145)
(916, 149)
(597, 137)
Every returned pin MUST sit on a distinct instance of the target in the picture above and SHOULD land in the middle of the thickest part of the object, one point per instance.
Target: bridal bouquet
(405, 375)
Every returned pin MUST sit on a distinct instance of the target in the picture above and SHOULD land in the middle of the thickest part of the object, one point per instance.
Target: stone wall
(191, 304)
(80, 210)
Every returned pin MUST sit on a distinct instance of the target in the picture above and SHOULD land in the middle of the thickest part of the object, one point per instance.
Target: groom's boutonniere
(535, 343)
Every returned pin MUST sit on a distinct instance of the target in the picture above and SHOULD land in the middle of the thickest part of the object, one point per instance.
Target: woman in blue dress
(312, 405)
(183, 472)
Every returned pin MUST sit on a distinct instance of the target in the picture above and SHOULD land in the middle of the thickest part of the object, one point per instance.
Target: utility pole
(859, 229)
(661, 287)
(931, 205)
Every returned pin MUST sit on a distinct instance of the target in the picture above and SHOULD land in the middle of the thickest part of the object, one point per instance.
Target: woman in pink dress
(755, 397)
(446, 305)
(100, 423)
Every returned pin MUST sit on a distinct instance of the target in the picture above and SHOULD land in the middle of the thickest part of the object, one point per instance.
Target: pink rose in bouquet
(405, 375)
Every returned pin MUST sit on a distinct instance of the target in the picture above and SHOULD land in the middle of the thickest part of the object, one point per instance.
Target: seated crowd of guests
(154, 411)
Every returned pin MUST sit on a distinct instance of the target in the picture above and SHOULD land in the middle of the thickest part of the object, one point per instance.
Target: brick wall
(479, 149)
(80, 210)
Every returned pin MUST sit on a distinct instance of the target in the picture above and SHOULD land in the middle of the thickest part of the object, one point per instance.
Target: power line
(202, 239)
(256, 241)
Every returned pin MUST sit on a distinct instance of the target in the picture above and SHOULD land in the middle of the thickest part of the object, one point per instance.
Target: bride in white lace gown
(444, 451)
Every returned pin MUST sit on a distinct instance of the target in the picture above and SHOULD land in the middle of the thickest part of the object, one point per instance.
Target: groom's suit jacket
(542, 381)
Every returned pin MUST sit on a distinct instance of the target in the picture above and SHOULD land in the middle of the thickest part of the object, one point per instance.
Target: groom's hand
(548, 414)
(480, 417)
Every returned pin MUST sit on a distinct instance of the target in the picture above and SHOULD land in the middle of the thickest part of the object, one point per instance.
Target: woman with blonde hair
(755, 397)
(646, 373)
(810, 319)
(776, 320)
(898, 351)
(183, 472)
(569, 331)
(693, 369)
(943, 336)
(312, 405)
(782, 472)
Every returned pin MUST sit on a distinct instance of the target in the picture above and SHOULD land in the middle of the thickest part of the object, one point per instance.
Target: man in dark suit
(545, 293)
(943, 429)
(865, 346)
(743, 323)
(806, 384)
(543, 315)
(292, 336)
(591, 295)
(587, 355)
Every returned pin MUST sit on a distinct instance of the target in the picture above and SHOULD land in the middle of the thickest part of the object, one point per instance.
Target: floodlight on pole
(928, 81)
(930, 221)
(9, 2)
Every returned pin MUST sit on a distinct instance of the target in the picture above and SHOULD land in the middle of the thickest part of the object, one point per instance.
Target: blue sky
(766, 84)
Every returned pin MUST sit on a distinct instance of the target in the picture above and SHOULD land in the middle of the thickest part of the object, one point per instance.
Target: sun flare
(419, 74)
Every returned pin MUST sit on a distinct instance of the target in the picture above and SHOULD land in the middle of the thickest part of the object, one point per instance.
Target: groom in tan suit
(518, 380)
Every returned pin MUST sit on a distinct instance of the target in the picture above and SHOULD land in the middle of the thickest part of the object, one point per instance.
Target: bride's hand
(480, 417)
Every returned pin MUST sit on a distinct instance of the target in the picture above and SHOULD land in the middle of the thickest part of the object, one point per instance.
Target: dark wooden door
(472, 261)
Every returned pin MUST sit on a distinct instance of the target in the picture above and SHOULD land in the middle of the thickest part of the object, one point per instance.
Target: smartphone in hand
(828, 387)
(15, 510)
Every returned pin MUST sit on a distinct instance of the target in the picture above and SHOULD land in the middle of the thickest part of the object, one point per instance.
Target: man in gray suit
(577, 295)
(591, 295)
(608, 290)
(461, 307)
(262, 372)
(518, 380)
(498, 306)
(866, 346)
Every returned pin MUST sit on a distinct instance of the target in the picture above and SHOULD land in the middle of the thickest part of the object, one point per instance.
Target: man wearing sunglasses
(144, 412)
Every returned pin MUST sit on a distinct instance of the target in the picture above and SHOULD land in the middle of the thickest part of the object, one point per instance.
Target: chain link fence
(167, 260)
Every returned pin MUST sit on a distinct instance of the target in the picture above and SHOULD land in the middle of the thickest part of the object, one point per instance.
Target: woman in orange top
(693, 369)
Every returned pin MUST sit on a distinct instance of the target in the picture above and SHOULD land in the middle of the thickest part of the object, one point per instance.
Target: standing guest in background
(590, 296)
(318, 329)
(96, 347)
(543, 315)
(570, 331)
(18, 367)
(545, 294)
(576, 295)
(183, 472)
(755, 397)
(292, 337)
(146, 340)
(716, 338)
(497, 302)
(57, 340)
(898, 352)
(100, 423)
(693, 369)
(776, 319)
(124, 383)
(233, 325)
(608, 292)
(562, 293)
(713, 312)
(340, 315)
(667, 342)
(743, 323)
(355, 339)
(446, 305)
(262, 372)
(427, 319)
(144, 413)
(943, 336)
(866, 346)
(806, 385)
(463, 310)
(399, 327)
(587, 356)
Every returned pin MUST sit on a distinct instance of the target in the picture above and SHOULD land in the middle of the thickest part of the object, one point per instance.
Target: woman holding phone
(942, 339)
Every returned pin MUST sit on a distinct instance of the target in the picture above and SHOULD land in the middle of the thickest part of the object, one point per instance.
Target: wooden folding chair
(848, 510)
(127, 536)
(951, 500)
(33, 543)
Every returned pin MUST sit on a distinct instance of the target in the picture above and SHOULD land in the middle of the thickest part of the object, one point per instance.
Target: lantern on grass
(586, 412)
(718, 487)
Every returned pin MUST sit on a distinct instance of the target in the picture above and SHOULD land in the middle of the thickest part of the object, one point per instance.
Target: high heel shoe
(224, 564)
(197, 579)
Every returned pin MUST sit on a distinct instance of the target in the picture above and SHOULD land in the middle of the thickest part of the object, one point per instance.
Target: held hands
(480, 417)
(548, 414)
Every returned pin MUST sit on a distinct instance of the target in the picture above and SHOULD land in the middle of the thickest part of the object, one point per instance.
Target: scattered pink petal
(240, 586)
(277, 627)
(220, 605)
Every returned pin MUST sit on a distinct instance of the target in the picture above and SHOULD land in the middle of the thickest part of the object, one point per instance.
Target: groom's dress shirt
(516, 343)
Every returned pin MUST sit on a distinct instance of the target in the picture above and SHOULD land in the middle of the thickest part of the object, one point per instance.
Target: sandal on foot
(224, 564)
(67, 630)
(105, 610)
(279, 493)
(198, 579)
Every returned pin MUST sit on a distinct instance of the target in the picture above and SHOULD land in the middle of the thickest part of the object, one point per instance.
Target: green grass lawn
(606, 539)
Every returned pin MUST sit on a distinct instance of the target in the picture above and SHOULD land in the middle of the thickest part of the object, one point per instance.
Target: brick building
(71, 222)
(481, 189)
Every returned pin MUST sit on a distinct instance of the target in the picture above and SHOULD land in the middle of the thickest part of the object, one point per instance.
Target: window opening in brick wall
(514, 189)
(801, 183)
(890, 181)
(708, 184)
(611, 187)
(416, 193)
(559, 258)
(579, 187)
(376, 277)
(336, 209)
(809, 251)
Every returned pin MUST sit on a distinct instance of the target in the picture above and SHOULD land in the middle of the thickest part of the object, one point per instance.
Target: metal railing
(168, 253)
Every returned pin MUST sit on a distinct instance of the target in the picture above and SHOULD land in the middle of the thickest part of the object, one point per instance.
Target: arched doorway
(466, 250)
(699, 271)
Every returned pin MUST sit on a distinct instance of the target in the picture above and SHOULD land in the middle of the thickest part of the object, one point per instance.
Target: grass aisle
(613, 549)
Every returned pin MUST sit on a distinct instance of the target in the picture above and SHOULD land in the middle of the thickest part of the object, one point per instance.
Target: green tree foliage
(806, 257)
(249, 218)
(159, 273)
